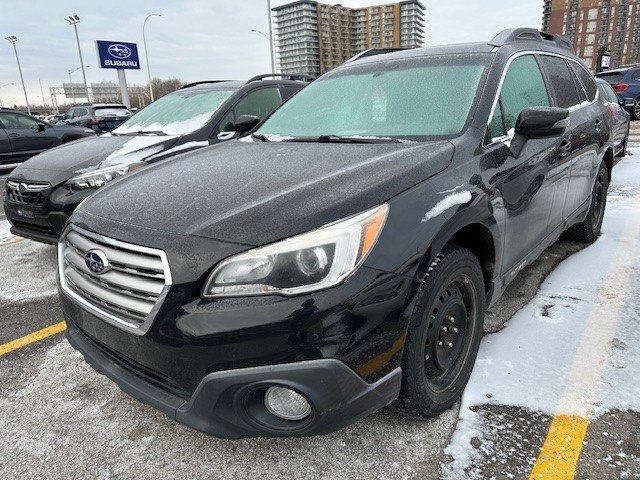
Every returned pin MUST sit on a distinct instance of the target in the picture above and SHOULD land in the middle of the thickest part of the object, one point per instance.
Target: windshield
(177, 113)
(416, 99)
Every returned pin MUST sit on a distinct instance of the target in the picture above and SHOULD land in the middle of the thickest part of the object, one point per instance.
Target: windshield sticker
(379, 107)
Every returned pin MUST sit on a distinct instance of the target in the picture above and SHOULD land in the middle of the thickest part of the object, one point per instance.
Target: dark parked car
(342, 256)
(195, 116)
(101, 117)
(626, 84)
(619, 118)
(23, 136)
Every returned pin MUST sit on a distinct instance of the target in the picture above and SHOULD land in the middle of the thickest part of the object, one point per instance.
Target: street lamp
(273, 70)
(6, 84)
(13, 39)
(273, 58)
(146, 53)
(75, 20)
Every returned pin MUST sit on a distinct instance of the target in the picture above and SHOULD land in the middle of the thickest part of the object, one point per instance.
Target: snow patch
(446, 203)
(187, 146)
(5, 235)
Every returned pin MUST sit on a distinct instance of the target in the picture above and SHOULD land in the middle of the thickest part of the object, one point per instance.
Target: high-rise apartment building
(595, 26)
(313, 37)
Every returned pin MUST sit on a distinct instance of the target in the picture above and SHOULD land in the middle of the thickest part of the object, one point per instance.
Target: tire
(588, 230)
(635, 110)
(444, 334)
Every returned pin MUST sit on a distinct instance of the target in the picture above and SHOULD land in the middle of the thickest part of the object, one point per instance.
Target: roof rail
(374, 51)
(193, 84)
(628, 65)
(301, 77)
(511, 35)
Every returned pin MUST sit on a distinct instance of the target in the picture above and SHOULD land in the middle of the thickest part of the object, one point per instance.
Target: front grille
(27, 193)
(130, 289)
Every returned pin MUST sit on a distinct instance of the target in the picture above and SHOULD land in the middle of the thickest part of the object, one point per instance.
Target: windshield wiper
(259, 136)
(145, 132)
(355, 139)
(343, 139)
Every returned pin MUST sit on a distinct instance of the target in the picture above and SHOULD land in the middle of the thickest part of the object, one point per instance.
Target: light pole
(75, 20)
(273, 58)
(273, 69)
(146, 52)
(13, 39)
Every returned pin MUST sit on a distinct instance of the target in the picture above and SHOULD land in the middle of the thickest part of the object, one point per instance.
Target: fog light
(287, 404)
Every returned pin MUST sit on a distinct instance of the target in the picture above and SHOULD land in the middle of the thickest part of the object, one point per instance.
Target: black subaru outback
(341, 257)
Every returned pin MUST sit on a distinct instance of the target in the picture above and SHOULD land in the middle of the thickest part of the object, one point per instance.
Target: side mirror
(40, 127)
(542, 122)
(245, 123)
(628, 102)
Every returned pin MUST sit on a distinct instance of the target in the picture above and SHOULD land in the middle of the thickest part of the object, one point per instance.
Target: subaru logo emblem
(96, 262)
(119, 51)
(22, 188)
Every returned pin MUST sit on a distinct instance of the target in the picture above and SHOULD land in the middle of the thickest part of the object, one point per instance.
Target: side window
(69, 114)
(561, 81)
(291, 90)
(586, 79)
(260, 103)
(80, 112)
(523, 87)
(13, 120)
(226, 124)
(636, 75)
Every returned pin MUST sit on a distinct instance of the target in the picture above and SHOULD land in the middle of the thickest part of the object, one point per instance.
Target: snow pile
(5, 235)
(532, 362)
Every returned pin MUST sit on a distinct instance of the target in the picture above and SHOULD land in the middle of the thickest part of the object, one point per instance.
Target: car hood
(255, 193)
(80, 156)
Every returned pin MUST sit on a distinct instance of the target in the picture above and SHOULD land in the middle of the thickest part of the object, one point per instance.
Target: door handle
(14, 135)
(598, 124)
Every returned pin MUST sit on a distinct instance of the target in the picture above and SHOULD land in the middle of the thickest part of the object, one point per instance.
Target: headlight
(97, 178)
(304, 263)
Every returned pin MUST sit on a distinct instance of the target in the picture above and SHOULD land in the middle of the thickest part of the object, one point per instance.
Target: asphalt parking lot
(554, 393)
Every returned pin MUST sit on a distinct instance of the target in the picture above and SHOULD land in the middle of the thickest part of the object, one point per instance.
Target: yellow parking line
(32, 338)
(561, 450)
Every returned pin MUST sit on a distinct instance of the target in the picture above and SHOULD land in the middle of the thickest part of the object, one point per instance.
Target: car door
(620, 118)
(527, 186)
(27, 135)
(577, 152)
(260, 103)
(5, 146)
(590, 130)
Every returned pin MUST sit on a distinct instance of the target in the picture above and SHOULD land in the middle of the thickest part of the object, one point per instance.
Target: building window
(593, 13)
(588, 51)
(590, 39)
(591, 27)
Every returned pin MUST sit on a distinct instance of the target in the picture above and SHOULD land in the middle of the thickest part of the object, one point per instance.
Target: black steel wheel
(444, 334)
(589, 229)
(635, 111)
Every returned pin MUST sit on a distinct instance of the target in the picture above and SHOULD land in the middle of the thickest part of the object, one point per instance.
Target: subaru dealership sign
(120, 55)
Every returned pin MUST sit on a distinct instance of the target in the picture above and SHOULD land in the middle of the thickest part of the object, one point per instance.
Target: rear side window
(561, 81)
(636, 75)
(586, 79)
(608, 93)
(259, 103)
(523, 87)
(291, 90)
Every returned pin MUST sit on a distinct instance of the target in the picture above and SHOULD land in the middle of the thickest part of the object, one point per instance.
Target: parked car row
(338, 252)
(195, 116)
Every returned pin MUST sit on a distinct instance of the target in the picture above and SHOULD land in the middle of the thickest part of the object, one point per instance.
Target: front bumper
(228, 404)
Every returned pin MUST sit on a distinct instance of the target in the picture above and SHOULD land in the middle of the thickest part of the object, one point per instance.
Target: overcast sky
(197, 39)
